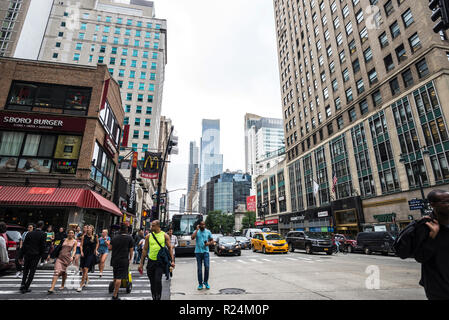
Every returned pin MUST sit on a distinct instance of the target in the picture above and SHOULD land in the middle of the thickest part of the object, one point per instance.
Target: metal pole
(159, 183)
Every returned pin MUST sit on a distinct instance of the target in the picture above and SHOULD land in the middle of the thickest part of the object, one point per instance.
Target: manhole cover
(232, 291)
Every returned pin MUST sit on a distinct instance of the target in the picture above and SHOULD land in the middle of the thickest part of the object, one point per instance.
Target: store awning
(93, 200)
(55, 197)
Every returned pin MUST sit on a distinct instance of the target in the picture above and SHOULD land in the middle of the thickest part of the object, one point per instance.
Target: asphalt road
(299, 276)
(292, 276)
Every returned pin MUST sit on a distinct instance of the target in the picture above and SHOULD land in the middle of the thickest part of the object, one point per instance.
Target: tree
(249, 220)
(217, 222)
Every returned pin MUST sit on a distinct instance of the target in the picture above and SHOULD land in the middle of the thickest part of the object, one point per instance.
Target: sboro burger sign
(41, 122)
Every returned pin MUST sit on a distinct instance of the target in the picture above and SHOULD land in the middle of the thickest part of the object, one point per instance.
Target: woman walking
(79, 235)
(48, 244)
(89, 249)
(64, 259)
(103, 249)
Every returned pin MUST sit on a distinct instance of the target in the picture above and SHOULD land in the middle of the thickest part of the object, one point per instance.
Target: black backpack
(410, 237)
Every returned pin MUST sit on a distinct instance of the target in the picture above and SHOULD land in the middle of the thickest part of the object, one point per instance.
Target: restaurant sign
(21, 121)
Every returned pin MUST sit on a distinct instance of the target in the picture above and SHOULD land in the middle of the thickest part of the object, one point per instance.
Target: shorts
(120, 271)
(103, 250)
(78, 250)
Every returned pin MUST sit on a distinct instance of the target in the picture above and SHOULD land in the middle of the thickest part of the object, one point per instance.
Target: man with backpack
(160, 257)
(427, 240)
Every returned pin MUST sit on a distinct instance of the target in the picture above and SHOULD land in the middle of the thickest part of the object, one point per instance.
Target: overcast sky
(222, 63)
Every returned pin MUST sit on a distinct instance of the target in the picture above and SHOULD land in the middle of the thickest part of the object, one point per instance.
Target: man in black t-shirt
(122, 246)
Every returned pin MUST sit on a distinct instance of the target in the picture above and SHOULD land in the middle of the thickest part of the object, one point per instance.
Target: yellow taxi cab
(269, 242)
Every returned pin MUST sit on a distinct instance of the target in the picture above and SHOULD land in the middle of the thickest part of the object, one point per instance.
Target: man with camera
(203, 239)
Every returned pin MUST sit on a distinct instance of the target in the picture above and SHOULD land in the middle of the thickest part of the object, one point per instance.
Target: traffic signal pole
(440, 10)
(161, 171)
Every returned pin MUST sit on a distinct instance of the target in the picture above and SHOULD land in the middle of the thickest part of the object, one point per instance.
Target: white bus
(183, 227)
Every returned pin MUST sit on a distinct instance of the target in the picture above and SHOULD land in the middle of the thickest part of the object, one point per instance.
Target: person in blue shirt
(203, 239)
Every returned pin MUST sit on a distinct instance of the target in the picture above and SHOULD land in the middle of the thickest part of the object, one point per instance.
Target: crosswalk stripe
(242, 261)
(254, 260)
(266, 259)
(291, 259)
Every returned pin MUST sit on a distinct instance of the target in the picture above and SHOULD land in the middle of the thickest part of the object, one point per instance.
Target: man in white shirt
(174, 243)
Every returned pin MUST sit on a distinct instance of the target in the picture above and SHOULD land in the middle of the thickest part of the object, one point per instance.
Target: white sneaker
(79, 289)
(18, 274)
(41, 264)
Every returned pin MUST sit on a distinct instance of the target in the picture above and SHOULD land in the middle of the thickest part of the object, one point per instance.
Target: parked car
(380, 241)
(227, 245)
(215, 236)
(269, 242)
(244, 242)
(14, 233)
(309, 241)
(346, 241)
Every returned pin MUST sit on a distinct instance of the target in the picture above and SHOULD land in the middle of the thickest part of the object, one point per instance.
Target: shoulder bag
(163, 255)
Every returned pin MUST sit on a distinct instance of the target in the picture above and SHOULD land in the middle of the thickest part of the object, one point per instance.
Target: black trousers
(29, 269)
(155, 270)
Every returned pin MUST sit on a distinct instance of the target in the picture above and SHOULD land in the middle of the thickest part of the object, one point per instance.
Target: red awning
(55, 197)
(93, 200)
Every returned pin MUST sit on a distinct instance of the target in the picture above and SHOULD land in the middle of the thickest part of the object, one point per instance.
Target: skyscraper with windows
(12, 18)
(211, 161)
(264, 144)
(193, 164)
(127, 37)
(364, 89)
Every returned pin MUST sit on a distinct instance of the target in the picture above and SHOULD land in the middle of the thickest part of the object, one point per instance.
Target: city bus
(183, 227)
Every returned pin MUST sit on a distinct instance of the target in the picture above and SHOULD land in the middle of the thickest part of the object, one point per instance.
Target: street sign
(416, 204)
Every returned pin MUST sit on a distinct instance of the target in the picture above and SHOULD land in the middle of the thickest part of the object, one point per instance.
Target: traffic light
(135, 155)
(440, 10)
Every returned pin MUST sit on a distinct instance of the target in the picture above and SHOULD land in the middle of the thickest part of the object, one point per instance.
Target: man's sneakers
(19, 274)
(200, 287)
(24, 290)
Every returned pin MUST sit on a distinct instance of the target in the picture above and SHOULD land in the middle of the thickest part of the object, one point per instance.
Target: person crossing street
(32, 251)
(154, 243)
(203, 239)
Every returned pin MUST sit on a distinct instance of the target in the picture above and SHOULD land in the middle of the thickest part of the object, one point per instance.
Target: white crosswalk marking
(266, 260)
(96, 289)
(291, 259)
(255, 260)
(242, 261)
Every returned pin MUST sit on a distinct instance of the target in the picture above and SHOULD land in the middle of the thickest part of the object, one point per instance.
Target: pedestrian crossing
(96, 289)
(253, 259)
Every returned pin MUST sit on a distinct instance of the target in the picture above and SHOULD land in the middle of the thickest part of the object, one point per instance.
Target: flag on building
(316, 187)
(334, 182)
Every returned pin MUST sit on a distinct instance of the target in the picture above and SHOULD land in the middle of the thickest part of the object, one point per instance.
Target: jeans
(200, 257)
(137, 255)
(155, 269)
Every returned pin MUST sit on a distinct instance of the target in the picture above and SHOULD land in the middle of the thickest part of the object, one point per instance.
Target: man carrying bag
(160, 257)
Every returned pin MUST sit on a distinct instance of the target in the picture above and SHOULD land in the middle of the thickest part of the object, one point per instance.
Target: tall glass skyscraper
(211, 161)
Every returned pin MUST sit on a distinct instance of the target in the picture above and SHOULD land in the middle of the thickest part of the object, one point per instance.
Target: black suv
(309, 241)
(380, 241)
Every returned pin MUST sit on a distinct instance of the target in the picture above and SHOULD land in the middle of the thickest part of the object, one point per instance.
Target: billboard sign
(251, 203)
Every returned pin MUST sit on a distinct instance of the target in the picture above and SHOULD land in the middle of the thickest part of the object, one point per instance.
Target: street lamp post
(416, 172)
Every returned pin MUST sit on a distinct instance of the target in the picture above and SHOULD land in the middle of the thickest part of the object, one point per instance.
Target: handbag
(57, 250)
(163, 255)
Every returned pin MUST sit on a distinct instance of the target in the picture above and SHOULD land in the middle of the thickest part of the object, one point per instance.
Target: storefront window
(103, 168)
(37, 153)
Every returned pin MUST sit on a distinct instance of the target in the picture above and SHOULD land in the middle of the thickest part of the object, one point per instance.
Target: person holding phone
(203, 239)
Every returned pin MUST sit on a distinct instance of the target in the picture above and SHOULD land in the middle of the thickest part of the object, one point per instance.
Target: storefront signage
(297, 218)
(323, 214)
(251, 203)
(388, 217)
(41, 122)
(416, 204)
(258, 223)
(132, 198)
(272, 221)
(109, 146)
(37, 190)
